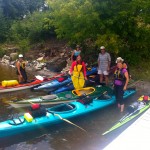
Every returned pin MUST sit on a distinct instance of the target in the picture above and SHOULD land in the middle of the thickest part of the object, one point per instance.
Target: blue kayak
(92, 81)
(61, 81)
(54, 83)
(62, 89)
(52, 115)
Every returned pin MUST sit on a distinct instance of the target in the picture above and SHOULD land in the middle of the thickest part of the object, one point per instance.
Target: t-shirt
(104, 60)
(76, 53)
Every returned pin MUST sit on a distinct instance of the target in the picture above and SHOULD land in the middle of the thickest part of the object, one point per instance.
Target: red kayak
(28, 85)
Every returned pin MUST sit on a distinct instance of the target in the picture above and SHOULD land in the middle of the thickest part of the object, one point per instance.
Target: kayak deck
(136, 136)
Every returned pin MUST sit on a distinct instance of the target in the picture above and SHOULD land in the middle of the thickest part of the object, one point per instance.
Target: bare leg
(101, 78)
(122, 108)
(20, 78)
(118, 105)
(106, 80)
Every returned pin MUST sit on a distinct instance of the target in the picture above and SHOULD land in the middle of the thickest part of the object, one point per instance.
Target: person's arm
(18, 68)
(98, 61)
(127, 80)
(109, 62)
(72, 67)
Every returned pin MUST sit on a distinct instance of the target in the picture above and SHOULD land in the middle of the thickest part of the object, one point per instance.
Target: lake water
(62, 136)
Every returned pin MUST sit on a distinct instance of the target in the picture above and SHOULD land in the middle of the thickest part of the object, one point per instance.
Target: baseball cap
(102, 47)
(20, 55)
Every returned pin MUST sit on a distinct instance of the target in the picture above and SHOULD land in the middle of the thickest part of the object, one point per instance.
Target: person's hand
(70, 73)
(108, 68)
(125, 88)
(85, 78)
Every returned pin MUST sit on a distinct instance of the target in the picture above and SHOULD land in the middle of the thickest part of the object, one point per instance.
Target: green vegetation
(122, 26)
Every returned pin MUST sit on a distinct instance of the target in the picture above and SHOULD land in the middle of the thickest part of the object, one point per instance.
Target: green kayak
(62, 97)
(133, 111)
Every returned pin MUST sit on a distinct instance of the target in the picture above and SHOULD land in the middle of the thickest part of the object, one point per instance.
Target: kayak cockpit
(63, 108)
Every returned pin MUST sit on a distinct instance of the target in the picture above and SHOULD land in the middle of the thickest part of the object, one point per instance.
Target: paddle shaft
(66, 120)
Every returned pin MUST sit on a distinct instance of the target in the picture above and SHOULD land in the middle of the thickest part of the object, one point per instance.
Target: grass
(141, 72)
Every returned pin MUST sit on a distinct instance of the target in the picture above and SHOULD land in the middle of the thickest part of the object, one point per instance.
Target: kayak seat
(77, 93)
(63, 108)
(48, 97)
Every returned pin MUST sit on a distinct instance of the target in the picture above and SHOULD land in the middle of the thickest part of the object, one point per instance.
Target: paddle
(101, 95)
(66, 120)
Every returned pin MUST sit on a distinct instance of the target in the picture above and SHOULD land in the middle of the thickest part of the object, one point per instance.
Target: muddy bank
(142, 87)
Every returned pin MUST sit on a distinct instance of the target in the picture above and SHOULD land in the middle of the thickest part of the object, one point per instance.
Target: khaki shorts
(103, 72)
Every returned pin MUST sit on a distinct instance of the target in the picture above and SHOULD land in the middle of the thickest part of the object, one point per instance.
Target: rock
(6, 57)
(13, 56)
(39, 66)
(40, 59)
(5, 61)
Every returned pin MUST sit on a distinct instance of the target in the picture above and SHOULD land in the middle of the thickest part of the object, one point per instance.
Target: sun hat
(20, 55)
(102, 47)
(119, 59)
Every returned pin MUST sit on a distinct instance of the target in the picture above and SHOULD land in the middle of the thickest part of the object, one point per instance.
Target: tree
(17, 9)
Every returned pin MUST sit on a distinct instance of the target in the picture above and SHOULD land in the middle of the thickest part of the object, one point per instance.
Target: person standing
(104, 61)
(78, 73)
(75, 53)
(121, 79)
(125, 65)
(21, 72)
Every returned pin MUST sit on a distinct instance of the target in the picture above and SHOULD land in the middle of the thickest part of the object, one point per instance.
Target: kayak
(141, 107)
(64, 80)
(27, 85)
(49, 116)
(62, 97)
(54, 83)
(93, 80)
(67, 87)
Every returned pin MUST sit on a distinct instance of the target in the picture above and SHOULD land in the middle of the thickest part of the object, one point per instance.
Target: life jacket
(78, 67)
(119, 75)
(22, 65)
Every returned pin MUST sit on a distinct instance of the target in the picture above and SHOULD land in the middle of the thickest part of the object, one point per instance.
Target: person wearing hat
(121, 79)
(21, 72)
(75, 53)
(104, 61)
(119, 59)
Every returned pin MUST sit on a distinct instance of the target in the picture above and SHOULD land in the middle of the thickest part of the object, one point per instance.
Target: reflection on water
(62, 136)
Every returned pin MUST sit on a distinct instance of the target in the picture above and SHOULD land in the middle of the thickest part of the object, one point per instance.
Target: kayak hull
(28, 85)
(51, 117)
(62, 97)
